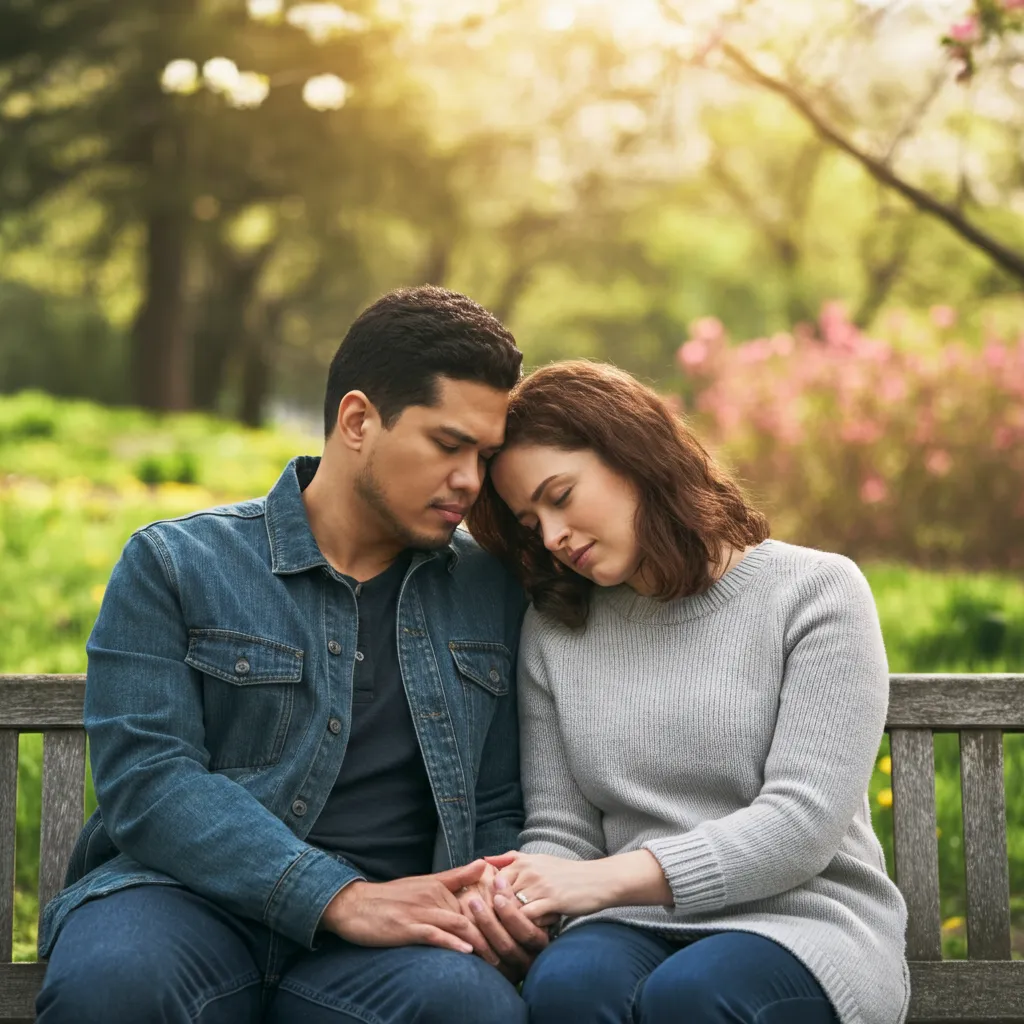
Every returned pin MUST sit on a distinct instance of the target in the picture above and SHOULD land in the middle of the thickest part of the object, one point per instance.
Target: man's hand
(417, 911)
(513, 940)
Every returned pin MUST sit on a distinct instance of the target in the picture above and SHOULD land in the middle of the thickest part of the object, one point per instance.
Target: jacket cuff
(692, 871)
(303, 892)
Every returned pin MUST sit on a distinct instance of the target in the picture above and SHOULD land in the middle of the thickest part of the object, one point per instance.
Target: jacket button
(241, 666)
(493, 675)
(334, 647)
(334, 725)
(299, 808)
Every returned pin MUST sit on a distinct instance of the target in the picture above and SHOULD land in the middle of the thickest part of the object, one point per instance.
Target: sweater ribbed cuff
(552, 849)
(692, 870)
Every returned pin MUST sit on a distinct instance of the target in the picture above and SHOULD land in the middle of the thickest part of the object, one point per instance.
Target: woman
(701, 708)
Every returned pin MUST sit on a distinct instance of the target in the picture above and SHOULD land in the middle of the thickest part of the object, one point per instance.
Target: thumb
(502, 860)
(455, 878)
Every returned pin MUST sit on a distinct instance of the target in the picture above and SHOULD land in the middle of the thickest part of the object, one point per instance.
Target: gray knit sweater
(733, 735)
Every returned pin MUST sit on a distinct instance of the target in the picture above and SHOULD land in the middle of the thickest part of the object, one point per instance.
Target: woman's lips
(581, 556)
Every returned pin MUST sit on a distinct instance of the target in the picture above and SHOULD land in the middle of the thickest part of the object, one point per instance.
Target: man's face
(422, 475)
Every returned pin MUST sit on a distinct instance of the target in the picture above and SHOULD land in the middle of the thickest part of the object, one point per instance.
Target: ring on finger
(523, 898)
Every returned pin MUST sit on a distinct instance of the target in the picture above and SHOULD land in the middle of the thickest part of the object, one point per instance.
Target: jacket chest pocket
(248, 695)
(485, 670)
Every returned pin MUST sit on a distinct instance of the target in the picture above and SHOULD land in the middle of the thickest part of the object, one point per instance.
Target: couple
(306, 740)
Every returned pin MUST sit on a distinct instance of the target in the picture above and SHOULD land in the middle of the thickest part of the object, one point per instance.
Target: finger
(507, 949)
(548, 920)
(460, 925)
(535, 910)
(523, 929)
(503, 859)
(455, 878)
(505, 880)
(427, 935)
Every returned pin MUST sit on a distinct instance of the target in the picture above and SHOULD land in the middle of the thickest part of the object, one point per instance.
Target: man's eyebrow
(459, 435)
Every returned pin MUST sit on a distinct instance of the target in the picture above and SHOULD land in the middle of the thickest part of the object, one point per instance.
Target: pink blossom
(782, 344)
(709, 329)
(836, 329)
(996, 356)
(967, 31)
(938, 462)
(756, 351)
(860, 432)
(873, 490)
(893, 388)
(1013, 5)
(693, 354)
(1002, 438)
(943, 316)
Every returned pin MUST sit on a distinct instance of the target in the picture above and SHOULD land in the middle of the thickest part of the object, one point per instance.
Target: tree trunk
(161, 363)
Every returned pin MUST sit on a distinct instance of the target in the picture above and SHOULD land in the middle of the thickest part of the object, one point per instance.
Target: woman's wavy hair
(689, 511)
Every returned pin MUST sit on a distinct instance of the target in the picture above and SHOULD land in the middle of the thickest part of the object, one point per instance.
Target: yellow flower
(885, 798)
(885, 765)
(952, 924)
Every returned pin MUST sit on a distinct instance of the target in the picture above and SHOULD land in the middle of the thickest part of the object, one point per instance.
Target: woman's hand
(557, 885)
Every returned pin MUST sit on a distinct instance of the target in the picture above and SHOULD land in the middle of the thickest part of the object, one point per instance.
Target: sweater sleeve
(559, 818)
(831, 715)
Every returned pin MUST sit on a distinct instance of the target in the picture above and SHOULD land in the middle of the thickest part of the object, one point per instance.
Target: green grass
(76, 480)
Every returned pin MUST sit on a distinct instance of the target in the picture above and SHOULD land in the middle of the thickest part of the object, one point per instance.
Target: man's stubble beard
(369, 489)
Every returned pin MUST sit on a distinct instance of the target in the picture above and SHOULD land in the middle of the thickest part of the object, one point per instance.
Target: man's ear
(358, 420)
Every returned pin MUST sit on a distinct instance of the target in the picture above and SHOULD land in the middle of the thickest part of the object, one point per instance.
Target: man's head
(415, 404)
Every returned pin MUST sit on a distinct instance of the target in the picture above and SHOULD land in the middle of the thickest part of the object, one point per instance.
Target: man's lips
(452, 513)
(579, 556)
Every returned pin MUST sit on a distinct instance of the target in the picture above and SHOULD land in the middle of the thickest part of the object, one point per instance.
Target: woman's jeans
(163, 955)
(606, 973)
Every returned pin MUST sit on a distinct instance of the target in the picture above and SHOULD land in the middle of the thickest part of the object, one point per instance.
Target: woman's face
(583, 511)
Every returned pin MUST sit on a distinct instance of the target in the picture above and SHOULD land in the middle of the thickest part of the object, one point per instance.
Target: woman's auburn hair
(689, 511)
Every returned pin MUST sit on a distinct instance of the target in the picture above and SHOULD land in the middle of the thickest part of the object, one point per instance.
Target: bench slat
(36, 703)
(954, 702)
(63, 811)
(19, 984)
(915, 844)
(8, 832)
(985, 857)
(967, 990)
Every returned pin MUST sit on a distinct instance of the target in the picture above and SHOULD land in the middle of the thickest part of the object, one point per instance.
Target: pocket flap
(486, 664)
(243, 659)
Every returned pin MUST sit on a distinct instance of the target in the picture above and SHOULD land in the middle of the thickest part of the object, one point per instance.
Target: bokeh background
(802, 222)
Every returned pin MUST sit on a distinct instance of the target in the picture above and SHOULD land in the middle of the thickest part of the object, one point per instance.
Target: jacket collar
(293, 548)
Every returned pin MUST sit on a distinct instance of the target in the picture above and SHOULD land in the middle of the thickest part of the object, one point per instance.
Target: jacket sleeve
(831, 714)
(560, 820)
(499, 795)
(160, 803)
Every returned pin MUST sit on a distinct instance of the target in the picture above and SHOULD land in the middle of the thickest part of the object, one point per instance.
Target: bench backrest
(988, 986)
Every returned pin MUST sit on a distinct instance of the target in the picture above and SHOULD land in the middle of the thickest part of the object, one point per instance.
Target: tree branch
(1010, 260)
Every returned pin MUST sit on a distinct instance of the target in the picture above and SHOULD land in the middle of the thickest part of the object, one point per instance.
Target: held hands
(451, 909)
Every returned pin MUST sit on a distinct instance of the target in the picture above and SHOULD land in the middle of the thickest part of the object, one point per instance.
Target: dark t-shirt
(380, 815)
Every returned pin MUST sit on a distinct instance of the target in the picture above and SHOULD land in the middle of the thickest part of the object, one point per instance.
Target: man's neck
(348, 535)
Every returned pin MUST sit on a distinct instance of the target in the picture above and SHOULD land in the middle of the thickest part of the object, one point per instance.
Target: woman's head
(600, 483)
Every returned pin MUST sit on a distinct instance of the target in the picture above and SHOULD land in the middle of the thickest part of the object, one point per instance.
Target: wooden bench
(987, 987)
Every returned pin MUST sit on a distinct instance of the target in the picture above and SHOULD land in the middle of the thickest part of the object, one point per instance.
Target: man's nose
(468, 477)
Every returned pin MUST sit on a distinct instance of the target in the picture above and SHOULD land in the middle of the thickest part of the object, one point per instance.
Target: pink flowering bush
(906, 445)
(987, 20)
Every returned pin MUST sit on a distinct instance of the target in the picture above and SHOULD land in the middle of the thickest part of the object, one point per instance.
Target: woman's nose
(555, 536)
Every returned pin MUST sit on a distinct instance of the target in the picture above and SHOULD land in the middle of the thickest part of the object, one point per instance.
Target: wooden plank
(19, 985)
(35, 703)
(955, 702)
(967, 990)
(915, 845)
(63, 812)
(8, 830)
(985, 859)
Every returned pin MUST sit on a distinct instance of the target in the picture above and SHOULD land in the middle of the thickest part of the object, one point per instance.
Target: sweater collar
(637, 608)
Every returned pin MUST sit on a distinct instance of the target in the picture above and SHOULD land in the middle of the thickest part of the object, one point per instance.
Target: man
(301, 713)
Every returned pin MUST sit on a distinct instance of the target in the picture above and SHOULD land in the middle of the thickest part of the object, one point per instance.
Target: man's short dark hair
(396, 350)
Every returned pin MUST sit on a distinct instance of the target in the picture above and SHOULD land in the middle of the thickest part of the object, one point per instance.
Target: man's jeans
(163, 955)
(605, 973)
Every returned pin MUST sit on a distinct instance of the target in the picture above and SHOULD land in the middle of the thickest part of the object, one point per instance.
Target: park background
(802, 222)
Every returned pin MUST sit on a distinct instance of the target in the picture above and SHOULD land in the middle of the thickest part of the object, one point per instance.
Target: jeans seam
(248, 981)
(332, 1004)
(792, 999)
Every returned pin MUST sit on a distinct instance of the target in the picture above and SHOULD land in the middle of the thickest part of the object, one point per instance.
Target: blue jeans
(606, 973)
(163, 955)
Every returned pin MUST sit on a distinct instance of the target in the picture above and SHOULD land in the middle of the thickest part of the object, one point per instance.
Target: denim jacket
(218, 708)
